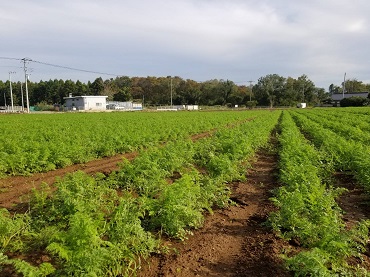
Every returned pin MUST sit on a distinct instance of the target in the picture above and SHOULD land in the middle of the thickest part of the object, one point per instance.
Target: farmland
(177, 173)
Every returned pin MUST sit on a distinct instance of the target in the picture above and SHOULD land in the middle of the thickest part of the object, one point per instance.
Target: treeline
(270, 90)
(350, 86)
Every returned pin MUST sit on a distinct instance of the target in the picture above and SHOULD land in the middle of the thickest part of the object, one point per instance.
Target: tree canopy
(270, 90)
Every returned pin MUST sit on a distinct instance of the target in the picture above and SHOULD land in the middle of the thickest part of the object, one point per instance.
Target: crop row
(345, 116)
(308, 213)
(349, 127)
(39, 143)
(104, 225)
(344, 153)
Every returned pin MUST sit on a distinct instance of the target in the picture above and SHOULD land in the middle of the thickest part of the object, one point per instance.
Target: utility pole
(11, 89)
(25, 80)
(344, 84)
(22, 97)
(250, 87)
(171, 92)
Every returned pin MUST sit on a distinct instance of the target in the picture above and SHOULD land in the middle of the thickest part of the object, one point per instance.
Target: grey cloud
(229, 39)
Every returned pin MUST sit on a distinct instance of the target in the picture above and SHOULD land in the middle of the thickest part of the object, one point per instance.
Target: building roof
(85, 96)
(339, 96)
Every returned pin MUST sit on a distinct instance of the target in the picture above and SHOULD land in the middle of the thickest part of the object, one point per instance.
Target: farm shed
(336, 97)
(86, 103)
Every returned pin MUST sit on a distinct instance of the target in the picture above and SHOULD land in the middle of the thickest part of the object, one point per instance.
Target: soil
(355, 202)
(12, 189)
(233, 241)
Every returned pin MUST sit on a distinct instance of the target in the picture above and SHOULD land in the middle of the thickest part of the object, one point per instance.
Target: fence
(8, 109)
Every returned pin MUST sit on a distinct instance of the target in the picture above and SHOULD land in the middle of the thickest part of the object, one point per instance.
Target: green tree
(333, 89)
(321, 95)
(97, 87)
(3, 94)
(123, 95)
(189, 92)
(81, 88)
(290, 96)
(210, 93)
(228, 89)
(269, 89)
(306, 87)
(354, 85)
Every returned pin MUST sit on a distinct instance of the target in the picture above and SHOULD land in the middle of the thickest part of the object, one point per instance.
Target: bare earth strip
(234, 241)
(12, 188)
(355, 203)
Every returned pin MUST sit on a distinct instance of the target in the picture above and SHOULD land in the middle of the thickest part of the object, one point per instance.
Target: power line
(7, 58)
(61, 66)
(75, 69)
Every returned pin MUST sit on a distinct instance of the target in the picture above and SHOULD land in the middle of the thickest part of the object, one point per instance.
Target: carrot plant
(346, 154)
(39, 143)
(105, 225)
(15, 231)
(345, 127)
(88, 229)
(178, 208)
(308, 212)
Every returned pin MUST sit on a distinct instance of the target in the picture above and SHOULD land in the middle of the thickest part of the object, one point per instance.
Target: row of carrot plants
(348, 116)
(348, 126)
(43, 142)
(345, 153)
(357, 110)
(105, 225)
(308, 213)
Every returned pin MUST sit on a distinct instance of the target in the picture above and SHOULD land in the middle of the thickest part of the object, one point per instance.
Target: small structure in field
(302, 105)
(85, 103)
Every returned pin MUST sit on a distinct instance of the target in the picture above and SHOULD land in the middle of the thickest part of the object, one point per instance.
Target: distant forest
(270, 90)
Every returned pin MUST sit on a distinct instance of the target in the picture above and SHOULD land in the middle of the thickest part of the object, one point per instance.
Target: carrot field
(185, 167)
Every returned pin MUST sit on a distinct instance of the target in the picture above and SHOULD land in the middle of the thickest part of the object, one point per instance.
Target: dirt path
(354, 202)
(233, 242)
(355, 205)
(12, 188)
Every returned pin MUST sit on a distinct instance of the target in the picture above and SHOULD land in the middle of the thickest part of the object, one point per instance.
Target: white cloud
(201, 39)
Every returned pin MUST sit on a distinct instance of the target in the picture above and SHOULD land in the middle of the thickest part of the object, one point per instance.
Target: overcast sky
(239, 40)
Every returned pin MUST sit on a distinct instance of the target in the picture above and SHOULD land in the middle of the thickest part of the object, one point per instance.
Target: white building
(86, 103)
(195, 107)
(124, 106)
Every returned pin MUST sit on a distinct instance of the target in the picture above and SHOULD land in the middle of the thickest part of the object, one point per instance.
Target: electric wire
(75, 69)
(61, 66)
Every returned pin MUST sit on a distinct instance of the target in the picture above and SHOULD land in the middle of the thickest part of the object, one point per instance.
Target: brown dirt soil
(233, 241)
(355, 204)
(13, 188)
